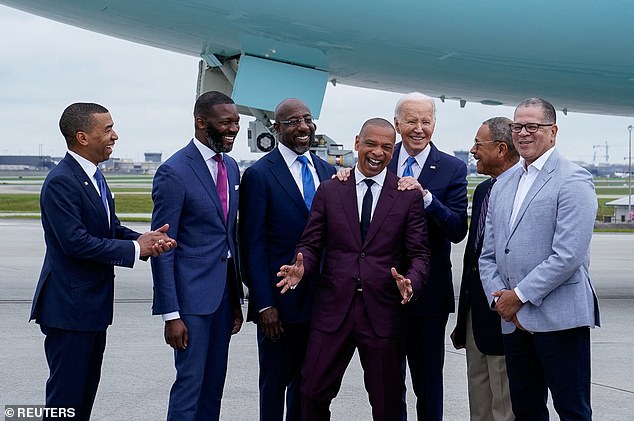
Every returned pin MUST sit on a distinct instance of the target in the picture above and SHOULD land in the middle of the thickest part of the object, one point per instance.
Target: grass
(125, 203)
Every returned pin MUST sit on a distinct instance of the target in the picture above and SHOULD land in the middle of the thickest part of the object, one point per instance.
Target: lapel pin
(433, 167)
(85, 183)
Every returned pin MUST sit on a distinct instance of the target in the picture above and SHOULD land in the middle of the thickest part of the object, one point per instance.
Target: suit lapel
(201, 170)
(430, 167)
(348, 197)
(89, 188)
(282, 174)
(387, 199)
(322, 171)
(544, 175)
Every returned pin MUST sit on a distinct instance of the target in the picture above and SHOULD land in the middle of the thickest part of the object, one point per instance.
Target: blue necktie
(308, 183)
(408, 169)
(101, 183)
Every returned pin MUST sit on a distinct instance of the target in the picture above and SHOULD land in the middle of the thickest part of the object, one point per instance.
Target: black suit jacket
(487, 330)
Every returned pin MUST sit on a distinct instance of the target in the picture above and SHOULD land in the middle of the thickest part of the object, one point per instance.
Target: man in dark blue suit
(274, 204)
(84, 241)
(197, 287)
(442, 180)
(478, 329)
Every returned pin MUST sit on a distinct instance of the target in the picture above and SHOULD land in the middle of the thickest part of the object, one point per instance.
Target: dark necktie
(483, 216)
(221, 183)
(103, 190)
(408, 169)
(366, 209)
(308, 182)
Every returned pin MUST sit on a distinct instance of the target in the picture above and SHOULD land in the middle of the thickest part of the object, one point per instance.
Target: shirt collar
(538, 164)
(420, 158)
(89, 168)
(207, 153)
(290, 156)
(378, 179)
(508, 172)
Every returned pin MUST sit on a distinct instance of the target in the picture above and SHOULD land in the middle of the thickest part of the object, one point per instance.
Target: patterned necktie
(308, 182)
(221, 183)
(366, 209)
(483, 215)
(103, 191)
(408, 169)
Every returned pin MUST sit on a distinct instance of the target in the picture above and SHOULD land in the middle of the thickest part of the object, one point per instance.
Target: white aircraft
(578, 54)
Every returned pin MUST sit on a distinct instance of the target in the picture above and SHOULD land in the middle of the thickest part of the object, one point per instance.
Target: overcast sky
(45, 66)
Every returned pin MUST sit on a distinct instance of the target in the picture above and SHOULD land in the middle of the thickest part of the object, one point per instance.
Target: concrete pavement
(138, 369)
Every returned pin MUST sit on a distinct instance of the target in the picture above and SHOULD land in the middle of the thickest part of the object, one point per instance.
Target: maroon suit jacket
(397, 237)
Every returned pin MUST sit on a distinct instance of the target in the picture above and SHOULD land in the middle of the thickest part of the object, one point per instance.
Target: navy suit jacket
(273, 216)
(487, 331)
(191, 278)
(445, 176)
(397, 237)
(76, 286)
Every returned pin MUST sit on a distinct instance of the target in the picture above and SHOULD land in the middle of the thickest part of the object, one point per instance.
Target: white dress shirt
(378, 179)
(417, 167)
(295, 167)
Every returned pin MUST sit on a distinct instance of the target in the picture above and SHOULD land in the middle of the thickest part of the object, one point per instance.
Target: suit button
(363, 254)
(223, 259)
(507, 251)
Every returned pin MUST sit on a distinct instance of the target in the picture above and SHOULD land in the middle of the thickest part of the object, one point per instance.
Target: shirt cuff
(427, 198)
(265, 308)
(171, 316)
(520, 295)
(137, 251)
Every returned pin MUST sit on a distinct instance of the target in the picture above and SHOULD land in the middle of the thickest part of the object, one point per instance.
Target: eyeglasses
(297, 121)
(477, 144)
(530, 127)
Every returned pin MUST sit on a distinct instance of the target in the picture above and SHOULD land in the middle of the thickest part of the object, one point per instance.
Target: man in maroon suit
(369, 233)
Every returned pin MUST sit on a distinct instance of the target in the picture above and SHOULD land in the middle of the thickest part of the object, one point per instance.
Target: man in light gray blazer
(534, 269)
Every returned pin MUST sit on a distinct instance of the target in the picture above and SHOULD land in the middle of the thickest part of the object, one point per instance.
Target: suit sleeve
(489, 275)
(417, 246)
(451, 214)
(64, 206)
(168, 195)
(315, 236)
(254, 250)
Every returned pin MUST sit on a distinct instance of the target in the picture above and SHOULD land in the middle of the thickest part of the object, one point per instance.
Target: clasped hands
(153, 243)
(507, 306)
(292, 274)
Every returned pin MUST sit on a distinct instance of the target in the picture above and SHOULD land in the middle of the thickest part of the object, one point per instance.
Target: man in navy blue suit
(197, 287)
(442, 180)
(478, 329)
(274, 203)
(73, 301)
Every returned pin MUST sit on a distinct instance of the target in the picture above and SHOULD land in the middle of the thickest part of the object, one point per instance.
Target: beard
(216, 141)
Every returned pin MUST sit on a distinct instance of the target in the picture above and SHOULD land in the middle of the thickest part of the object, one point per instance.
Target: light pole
(629, 177)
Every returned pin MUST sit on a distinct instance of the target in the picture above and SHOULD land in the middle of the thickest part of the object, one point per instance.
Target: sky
(45, 66)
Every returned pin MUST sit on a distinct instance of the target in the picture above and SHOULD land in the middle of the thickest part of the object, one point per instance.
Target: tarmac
(138, 366)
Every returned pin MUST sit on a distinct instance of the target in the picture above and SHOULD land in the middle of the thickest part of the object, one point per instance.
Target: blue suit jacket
(273, 216)
(546, 252)
(191, 278)
(487, 331)
(445, 176)
(76, 286)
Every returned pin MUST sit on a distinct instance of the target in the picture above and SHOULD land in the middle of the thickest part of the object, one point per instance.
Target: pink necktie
(221, 183)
